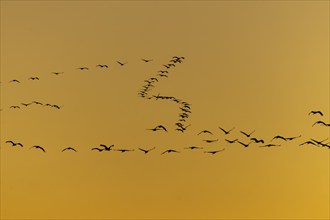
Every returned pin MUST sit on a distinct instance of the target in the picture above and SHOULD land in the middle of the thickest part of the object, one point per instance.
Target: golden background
(251, 65)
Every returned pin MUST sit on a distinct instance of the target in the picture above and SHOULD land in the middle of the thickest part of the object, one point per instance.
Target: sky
(248, 65)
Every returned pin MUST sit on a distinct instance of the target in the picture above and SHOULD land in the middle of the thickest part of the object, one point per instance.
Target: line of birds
(36, 103)
(149, 85)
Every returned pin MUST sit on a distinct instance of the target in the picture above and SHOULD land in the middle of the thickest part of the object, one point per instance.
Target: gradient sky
(251, 65)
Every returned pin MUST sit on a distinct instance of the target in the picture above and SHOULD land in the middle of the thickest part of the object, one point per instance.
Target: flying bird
(210, 141)
(102, 66)
(34, 78)
(170, 151)
(271, 145)
(26, 104)
(157, 128)
(247, 135)
(69, 148)
(82, 68)
(56, 106)
(256, 140)
(106, 148)
(14, 80)
(98, 149)
(279, 137)
(321, 123)
(292, 138)
(205, 131)
(226, 132)
(145, 60)
(307, 142)
(315, 112)
(121, 64)
(14, 106)
(231, 141)
(57, 73)
(123, 150)
(38, 103)
(163, 71)
(14, 144)
(214, 152)
(146, 151)
(193, 147)
(38, 147)
(245, 145)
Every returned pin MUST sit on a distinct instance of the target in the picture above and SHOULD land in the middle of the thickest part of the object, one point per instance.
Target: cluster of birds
(246, 140)
(185, 107)
(36, 103)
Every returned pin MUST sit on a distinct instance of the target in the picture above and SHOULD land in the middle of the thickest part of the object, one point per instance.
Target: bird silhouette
(157, 128)
(121, 64)
(307, 142)
(106, 148)
(34, 78)
(214, 152)
(321, 123)
(292, 138)
(271, 145)
(56, 106)
(13, 144)
(279, 137)
(145, 60)
(162, 75)
(210, 141)
(205, 131)
(98, 149)
(123, 150)
(38, 103)
(38, 147)
(319, 142)
(146, 151)
(246, 134)
(163, 71)
(315, 112)
(69, 148)
(257, 141)
(193, 147)
(26, 104)
(245, 145)
(14, 106)
(57, 73)
(170, 151)
(102, 66)
(14, 80)
(82, 68)
(225, 131)
(231, 141)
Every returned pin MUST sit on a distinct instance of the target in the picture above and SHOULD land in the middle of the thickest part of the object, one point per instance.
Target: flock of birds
(145, 92)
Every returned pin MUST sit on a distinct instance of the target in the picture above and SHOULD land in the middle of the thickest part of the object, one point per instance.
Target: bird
(214, 152)
(14, 144)
(210, 141)
(247, 135)
(123, 150)
(38, 103)
(307, 142)
(292, 138)
(95, 148)
(170, 151)
(226, 132)
(279, 137)
(167, 66)
(256, 140)
(26, 104)
(120, 63)
(38, 147)
(82, 68)
(162, 75)
(15, 106)
(34, 78)
(205, 131)
(145, 60)
(69, 148)
(157, 128)
(102, 66)
(56, 106)
(231, 141)
(271, 145)
(146, 151)
(14, 80)
(106, 148)
(315, 112)
(319, 142)
(162, 71)
(321, 123)
(245, 145)
(193, 147)
(57, 73)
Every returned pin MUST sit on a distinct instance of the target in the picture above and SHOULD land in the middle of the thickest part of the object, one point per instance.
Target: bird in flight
(121, 64)
(162, 71)
(245, 145)
(256, 140)
(102, 66)
(214, 152)
(321, 123)
(210, 141)
(26, 104)
(82, 68)
(271, 145)
(315, 112)
(14, 144)
(279, 137)
(205, 131)
(246, 134)
(193, 147)
(106, 148)
(292, 138)
(69, 148)
(162, 75)
(157, 128)
(226, 132)
(319, 142)
(34, 78)
(95, 148)
(57, 73)
(56, 106)
(123, 150)
(15, 106)
(307, 142)
(146, 151)
(38, 103)
(170, 151)
(231, 141)
(14, 80)
(38, 147)
(146, 60)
